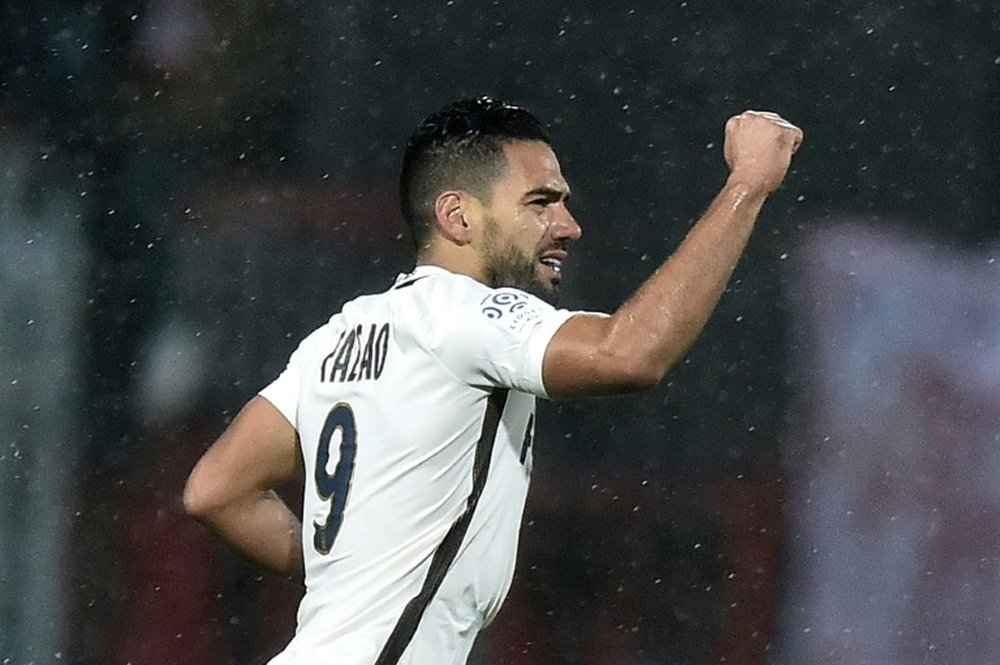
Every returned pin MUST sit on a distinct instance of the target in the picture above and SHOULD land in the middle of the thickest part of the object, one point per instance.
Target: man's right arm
(231, 489)
(635, 347)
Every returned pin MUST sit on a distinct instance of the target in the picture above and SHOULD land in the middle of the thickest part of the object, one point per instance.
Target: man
(412, 411)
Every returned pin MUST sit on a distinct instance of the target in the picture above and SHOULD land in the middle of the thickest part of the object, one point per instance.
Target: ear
(450, 216)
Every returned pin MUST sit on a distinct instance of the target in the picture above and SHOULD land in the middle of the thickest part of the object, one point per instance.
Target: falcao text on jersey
(359, 355)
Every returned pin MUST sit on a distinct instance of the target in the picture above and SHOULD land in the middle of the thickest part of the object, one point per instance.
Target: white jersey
(415, 411)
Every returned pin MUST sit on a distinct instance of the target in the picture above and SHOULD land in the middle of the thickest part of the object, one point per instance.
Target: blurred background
(187, 187)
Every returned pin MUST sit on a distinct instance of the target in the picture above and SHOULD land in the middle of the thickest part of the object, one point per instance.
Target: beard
(504, 264)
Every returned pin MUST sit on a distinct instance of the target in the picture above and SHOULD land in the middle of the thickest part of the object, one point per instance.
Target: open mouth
(552, 262)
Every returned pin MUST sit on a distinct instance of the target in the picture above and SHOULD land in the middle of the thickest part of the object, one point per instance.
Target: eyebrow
(549, 193)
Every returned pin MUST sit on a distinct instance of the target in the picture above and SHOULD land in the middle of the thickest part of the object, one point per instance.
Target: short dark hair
(459, 147)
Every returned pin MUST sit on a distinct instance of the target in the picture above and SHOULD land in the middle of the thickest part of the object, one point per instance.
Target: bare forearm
(263, 530)
(634, 347)
(665, 316)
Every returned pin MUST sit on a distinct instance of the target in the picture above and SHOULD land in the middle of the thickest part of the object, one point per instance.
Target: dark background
(232, 174)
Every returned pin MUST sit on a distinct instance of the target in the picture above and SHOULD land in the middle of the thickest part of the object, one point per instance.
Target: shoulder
(439, 284)
(458, 301)
(319, 338)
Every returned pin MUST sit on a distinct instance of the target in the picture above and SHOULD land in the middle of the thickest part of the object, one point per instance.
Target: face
(527, 227)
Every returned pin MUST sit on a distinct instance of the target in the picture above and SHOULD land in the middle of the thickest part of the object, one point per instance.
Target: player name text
(359, 355)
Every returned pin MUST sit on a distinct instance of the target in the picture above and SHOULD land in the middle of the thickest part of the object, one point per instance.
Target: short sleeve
(284, 391)
(498, 338)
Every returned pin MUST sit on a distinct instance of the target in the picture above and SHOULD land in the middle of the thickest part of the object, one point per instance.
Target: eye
(541, 203)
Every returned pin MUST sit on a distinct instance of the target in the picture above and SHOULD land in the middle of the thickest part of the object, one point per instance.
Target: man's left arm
(231, 489)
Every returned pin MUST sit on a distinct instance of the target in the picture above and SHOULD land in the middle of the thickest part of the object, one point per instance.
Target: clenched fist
(759, 147)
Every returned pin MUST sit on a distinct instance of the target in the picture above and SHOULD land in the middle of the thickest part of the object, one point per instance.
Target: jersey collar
(421, 271)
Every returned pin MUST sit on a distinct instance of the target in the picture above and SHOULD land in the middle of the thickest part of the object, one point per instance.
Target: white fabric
(413, 378)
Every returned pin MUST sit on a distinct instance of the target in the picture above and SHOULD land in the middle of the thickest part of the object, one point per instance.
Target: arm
(230, 490)
(636, 346)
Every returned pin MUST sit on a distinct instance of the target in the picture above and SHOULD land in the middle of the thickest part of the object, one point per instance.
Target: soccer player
(412, 411)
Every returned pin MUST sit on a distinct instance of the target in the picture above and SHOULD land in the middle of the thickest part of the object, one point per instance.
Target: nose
(566, 227)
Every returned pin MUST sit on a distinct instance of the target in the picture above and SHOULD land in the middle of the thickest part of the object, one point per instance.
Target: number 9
(338, 486)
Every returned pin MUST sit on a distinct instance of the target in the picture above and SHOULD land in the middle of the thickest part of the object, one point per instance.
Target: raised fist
(759, 147)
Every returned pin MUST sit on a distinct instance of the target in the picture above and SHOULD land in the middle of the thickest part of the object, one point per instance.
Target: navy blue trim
(403, 285)
(446, 552)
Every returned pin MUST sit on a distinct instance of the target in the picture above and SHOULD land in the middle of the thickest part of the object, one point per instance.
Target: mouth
(552, 262)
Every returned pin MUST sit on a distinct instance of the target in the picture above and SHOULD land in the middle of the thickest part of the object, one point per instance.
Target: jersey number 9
(336, 487)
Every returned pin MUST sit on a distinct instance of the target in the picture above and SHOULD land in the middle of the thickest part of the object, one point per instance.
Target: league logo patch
(512, 308)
